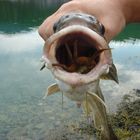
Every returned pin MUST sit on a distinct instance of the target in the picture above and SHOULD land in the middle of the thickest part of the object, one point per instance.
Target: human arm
(113, 14)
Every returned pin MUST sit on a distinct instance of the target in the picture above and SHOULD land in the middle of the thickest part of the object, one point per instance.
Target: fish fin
(111, 75)
(51, 90)
(96, 97)
(95, 108)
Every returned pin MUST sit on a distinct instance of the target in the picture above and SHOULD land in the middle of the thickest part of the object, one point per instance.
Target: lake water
(24, 114)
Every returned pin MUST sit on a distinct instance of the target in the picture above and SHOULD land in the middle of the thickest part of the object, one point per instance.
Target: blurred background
(24, 114)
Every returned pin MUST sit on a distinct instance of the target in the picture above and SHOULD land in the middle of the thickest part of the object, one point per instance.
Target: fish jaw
(74, 78)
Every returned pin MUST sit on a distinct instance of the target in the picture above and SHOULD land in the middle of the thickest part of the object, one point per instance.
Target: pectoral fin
(51, 90)
(97, 98)
(111, 75)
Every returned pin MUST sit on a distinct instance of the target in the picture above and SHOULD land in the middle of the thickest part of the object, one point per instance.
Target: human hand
(112, 14)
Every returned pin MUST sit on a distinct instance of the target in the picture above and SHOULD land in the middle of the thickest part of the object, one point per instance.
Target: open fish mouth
(77, 54)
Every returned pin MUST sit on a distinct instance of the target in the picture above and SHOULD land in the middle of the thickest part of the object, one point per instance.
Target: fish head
(74, 53)
(79, 19)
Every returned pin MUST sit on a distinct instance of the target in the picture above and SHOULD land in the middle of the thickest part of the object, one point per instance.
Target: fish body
(78, 56)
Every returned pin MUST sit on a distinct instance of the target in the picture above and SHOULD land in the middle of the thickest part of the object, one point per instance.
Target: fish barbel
(78, 56)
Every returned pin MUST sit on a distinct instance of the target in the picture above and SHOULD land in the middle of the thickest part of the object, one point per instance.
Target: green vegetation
(23, 16)
(126, 121)
(131, 31)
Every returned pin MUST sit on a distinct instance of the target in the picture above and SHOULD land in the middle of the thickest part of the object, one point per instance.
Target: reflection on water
(23, 112)
(131, 31)
(18, 15)
(126, 56)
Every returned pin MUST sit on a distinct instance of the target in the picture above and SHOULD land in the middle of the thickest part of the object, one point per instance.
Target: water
(24, 114)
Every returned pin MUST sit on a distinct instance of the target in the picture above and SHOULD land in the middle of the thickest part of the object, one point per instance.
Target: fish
(79, 56)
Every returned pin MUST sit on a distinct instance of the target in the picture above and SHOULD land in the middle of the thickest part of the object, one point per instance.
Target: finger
(46, 28)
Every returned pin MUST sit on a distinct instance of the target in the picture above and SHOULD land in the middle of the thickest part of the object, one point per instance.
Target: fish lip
(76, 78)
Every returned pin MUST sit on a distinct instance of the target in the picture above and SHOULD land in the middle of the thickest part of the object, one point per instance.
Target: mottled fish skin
(89, 94)
(79, 19)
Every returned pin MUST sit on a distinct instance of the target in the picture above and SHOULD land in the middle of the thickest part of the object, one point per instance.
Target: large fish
(78, 56)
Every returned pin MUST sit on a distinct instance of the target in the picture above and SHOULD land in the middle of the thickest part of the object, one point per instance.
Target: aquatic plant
(126, 121)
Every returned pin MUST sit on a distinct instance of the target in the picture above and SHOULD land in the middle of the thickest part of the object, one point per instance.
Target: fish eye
(67, 16)
(55, 26)
(102, 29)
